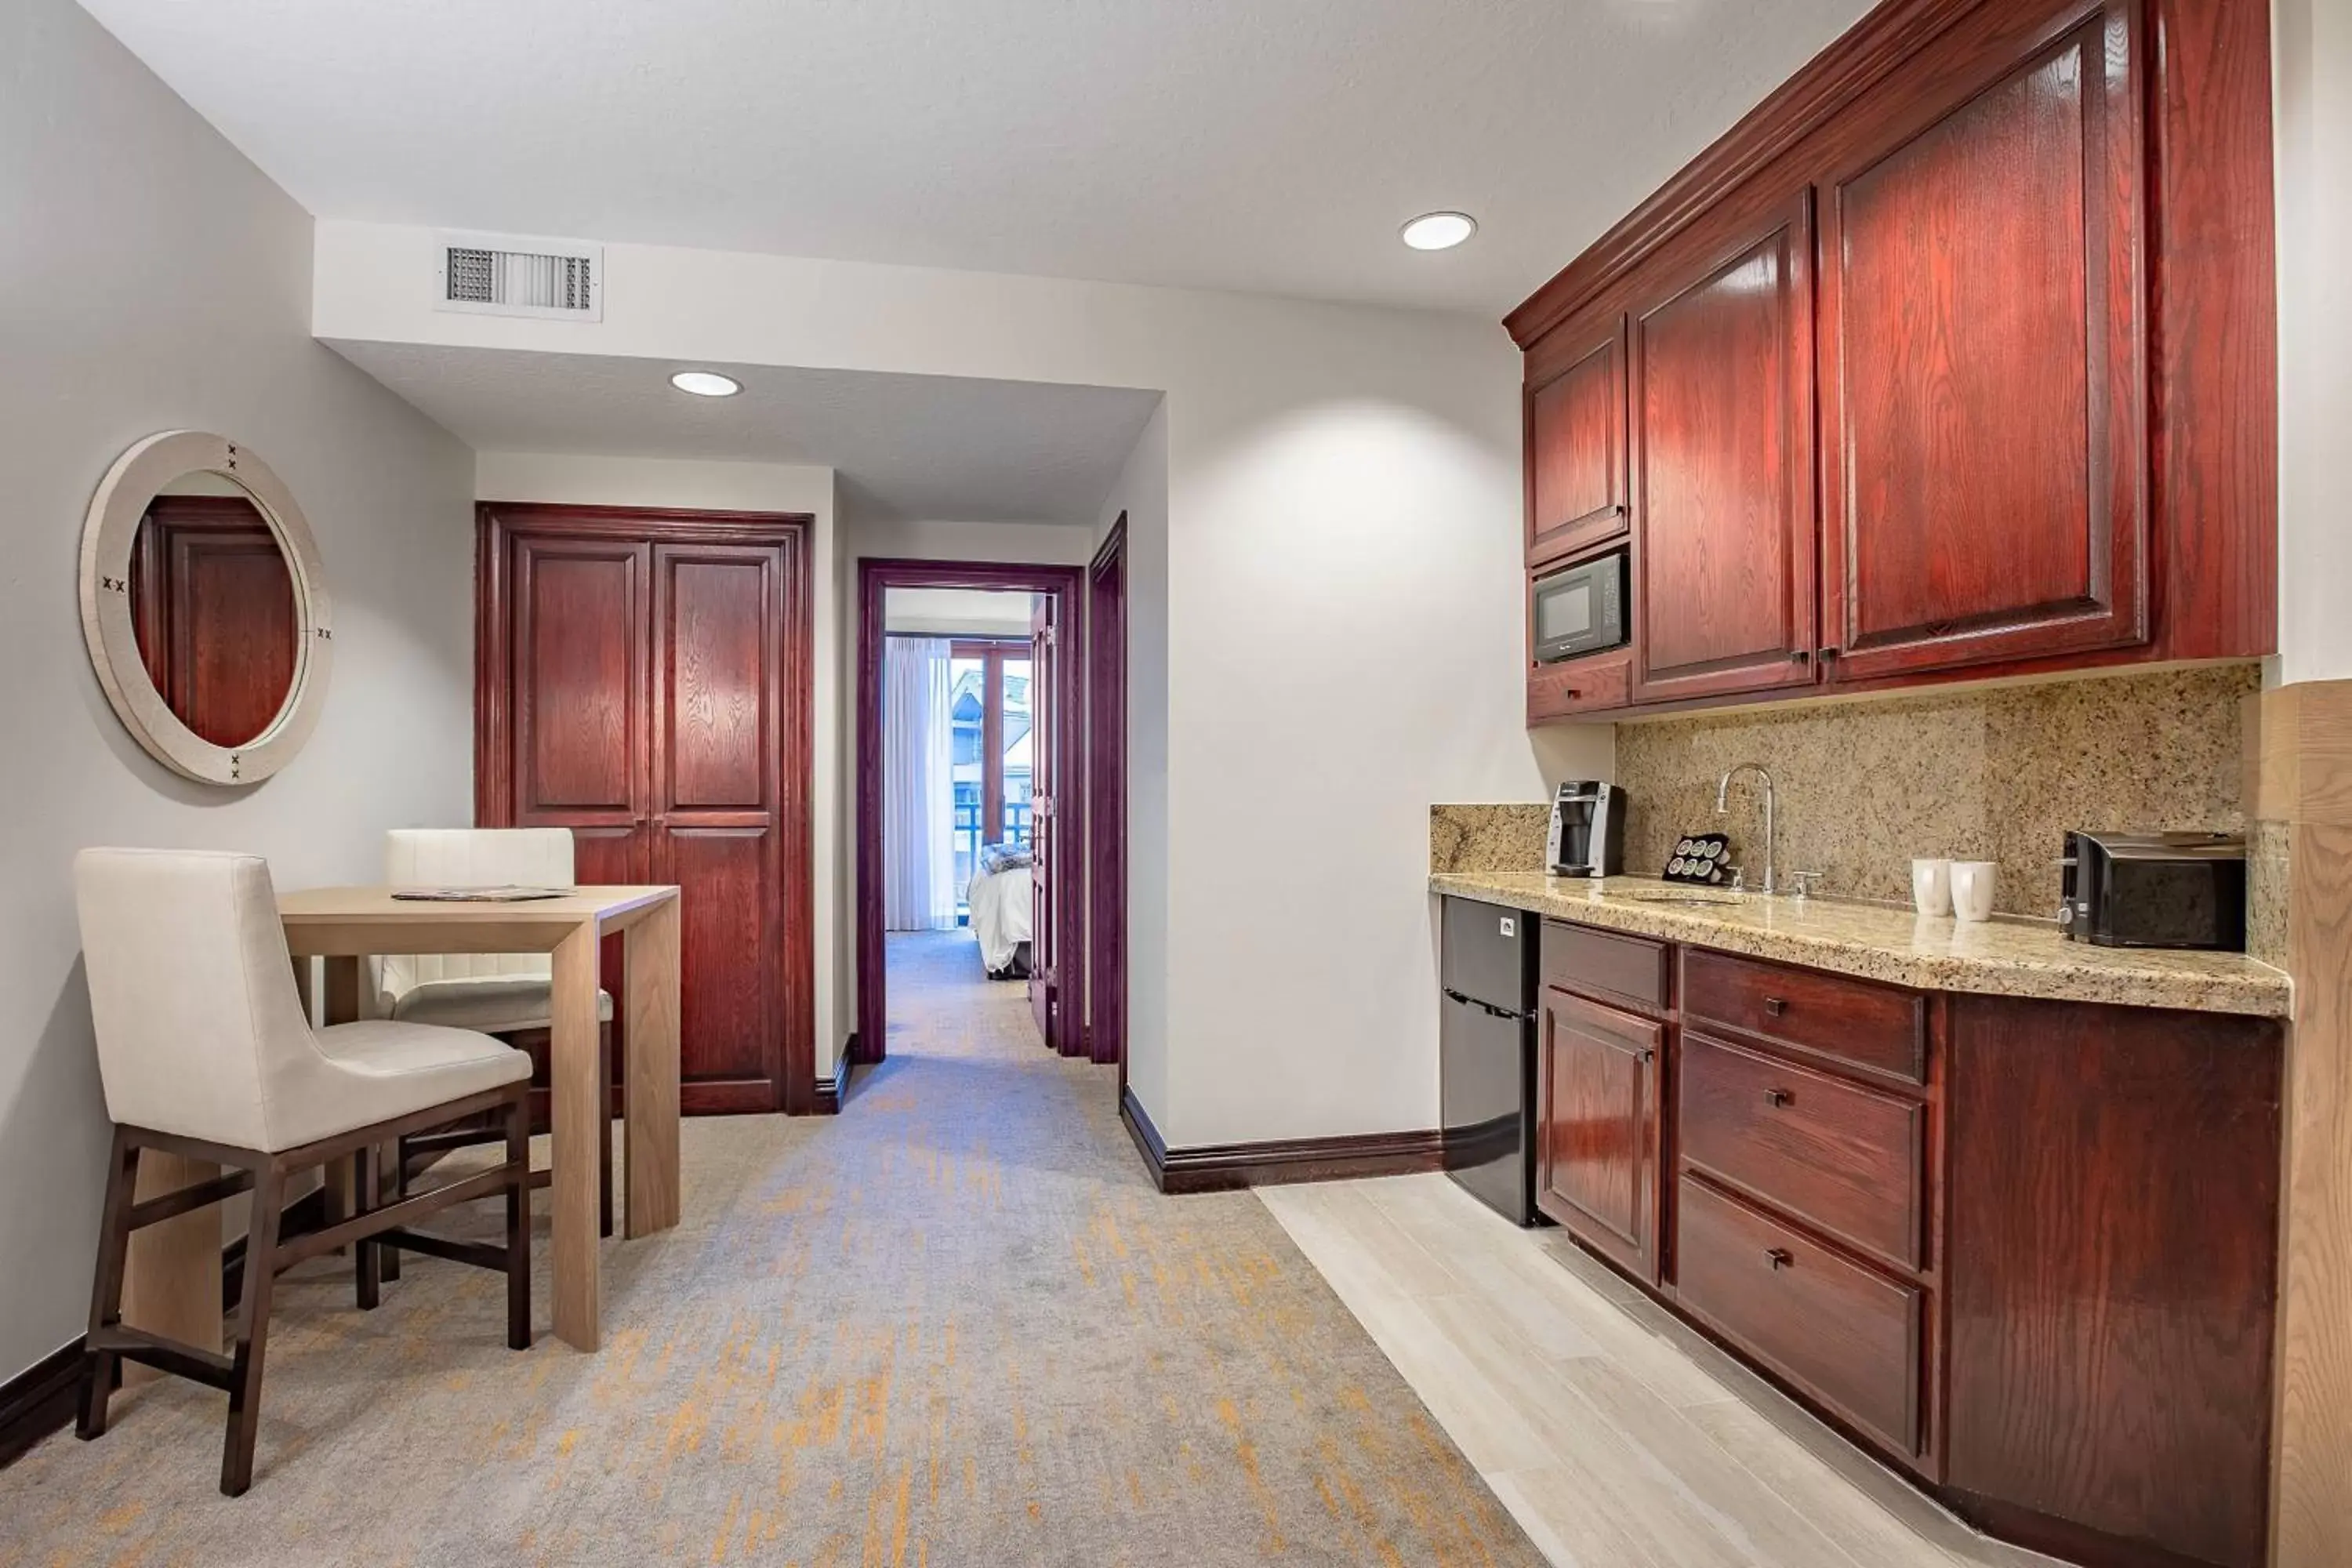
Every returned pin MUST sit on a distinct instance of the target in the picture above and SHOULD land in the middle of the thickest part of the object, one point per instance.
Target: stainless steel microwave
(1580, 609)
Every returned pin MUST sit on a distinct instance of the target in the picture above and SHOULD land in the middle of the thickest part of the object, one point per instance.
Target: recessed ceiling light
(706, 383)
(1439, 231)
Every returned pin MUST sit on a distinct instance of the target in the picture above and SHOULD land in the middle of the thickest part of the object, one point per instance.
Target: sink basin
(1684, 895)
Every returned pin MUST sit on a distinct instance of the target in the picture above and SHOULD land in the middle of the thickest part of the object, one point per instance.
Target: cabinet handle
(1650, 1056)
(1776, 1006)
(1777, 1098)
(1829, 653)
(1779, 1257)
(1800, 655)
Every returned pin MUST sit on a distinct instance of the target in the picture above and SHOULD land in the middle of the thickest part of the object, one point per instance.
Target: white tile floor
(1616, 1436)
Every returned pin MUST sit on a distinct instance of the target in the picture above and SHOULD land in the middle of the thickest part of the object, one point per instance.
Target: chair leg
(517, 1117)
(604, 1129)
(106, 1290)
(367, 1255)
(253, 1329)
(393, 1175)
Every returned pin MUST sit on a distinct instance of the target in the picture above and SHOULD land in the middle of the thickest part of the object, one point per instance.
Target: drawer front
(1592, 685)
(1847, 1336)
(1873, 1026)
(1603, 964)
(1848, 1161)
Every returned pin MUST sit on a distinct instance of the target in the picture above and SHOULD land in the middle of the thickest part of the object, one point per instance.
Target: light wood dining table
(174, 1282)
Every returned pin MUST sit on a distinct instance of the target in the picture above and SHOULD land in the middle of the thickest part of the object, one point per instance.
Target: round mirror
(205, 607)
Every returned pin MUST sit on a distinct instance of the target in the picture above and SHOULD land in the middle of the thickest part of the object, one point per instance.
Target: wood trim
(2299, 772)
(1222, 1167)
(876, 576)
(831, 1092)
(39, 1400)
(1106, 795)
(1866, 52)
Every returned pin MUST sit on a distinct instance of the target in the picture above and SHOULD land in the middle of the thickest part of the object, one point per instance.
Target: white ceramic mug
(1931, 887)
(1972, 888)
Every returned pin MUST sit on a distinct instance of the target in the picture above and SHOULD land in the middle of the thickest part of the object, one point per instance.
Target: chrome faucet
(1723, 806)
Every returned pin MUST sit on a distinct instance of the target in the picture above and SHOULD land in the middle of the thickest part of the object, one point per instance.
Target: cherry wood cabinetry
(1954, 358)
(1597, 1163)
(642, 679)
(1576, 449)
(1723, 393)
(2025, 1251)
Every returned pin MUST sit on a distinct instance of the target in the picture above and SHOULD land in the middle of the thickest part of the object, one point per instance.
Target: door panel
(1576, 440)
(580, 682)
(1598, 1141)
(1045, 794)
(214, 606)
(1723, 482)
(717, 820)
(1982, 349)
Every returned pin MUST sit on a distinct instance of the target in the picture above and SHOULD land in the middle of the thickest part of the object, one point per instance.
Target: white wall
(1331, 607)
(957, 612)
(734, 486)
(2311, 61)
(151, 278)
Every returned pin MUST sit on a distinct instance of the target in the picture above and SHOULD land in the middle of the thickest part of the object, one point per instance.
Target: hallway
(953, 1326)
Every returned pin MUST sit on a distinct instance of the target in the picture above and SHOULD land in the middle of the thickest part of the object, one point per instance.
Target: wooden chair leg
(393, 1176)
(367, 1255)
(260, 1281)
(604, 1129)
(518, 1223)
(106, 1290)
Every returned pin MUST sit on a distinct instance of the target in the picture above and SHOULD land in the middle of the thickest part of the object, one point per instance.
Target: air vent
(506, 275)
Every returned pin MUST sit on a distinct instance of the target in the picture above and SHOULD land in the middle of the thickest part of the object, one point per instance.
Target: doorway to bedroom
(970, 732)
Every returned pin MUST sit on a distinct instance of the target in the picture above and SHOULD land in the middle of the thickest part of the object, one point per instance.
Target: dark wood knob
(1779, 1257)
(1777, 1098)
(1776, 1006)
(1799, 655)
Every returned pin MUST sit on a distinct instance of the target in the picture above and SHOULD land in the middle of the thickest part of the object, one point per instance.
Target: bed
(1000, 901)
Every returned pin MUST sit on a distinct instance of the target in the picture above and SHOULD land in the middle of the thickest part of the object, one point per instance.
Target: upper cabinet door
(1576, 442)
(1983, 419)
(1722, 392)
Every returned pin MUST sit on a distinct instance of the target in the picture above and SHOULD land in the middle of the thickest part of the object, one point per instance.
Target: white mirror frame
(107, 536)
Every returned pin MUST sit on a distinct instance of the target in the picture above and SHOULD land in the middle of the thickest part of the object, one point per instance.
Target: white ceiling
(916, 446)
(1265, 145)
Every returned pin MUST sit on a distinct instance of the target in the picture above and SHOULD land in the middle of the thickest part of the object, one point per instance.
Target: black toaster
(2154, 889)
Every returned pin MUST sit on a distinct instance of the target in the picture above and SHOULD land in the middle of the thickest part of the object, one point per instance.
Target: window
(991, 720)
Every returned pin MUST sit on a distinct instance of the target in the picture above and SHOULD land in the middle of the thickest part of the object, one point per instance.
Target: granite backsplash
(1509, 837)
(1983, 773)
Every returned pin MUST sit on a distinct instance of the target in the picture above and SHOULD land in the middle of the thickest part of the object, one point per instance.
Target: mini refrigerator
(1486, 1054)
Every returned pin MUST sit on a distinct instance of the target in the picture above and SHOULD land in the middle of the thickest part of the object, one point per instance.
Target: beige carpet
(954, 1326)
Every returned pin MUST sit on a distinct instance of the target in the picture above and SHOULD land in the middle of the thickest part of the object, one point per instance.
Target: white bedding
(1000, 914)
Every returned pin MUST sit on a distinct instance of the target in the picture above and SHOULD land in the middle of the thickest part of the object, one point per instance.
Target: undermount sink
(1684, 895)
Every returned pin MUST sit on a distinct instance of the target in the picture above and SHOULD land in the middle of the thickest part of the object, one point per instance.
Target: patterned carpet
(954, 1326)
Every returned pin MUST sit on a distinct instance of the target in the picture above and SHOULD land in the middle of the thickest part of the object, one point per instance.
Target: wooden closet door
(720, 708)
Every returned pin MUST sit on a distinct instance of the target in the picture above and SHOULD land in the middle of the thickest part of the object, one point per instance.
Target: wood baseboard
(832, 1091)
(1221, 1167)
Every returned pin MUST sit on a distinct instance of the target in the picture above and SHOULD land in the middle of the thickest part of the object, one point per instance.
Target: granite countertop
(1999, 958)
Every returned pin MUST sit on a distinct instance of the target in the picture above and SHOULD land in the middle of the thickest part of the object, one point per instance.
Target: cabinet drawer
(1603, 964)
(1873, 1026)
(1847, 1336)
(1589, 685)
(1847, 1161)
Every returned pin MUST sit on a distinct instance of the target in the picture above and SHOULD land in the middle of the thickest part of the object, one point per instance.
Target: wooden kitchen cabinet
(1597, 1159)
(1722, 391)
(1575, 447)
(1983, 348)
(1955, 358)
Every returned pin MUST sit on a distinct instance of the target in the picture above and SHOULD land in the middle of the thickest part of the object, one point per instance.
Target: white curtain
(919, 891)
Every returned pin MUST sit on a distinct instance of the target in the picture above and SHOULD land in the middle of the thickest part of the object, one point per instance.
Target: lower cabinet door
(1598, 1168)
(1842, 1332)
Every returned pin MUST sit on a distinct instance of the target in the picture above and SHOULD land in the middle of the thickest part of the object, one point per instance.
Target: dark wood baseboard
(832, 1091)
(855, 1050)
(39, 1400)
(1221, 1167)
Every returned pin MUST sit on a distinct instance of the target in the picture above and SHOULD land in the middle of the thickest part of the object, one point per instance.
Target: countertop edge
(2114, 984)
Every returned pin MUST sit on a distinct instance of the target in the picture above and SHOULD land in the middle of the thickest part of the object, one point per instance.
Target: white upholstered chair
(204, 1050)
(507, 994)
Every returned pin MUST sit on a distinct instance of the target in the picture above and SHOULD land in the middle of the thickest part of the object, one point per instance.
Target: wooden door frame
(876, 576)
(496, 523)
(1105, 755)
